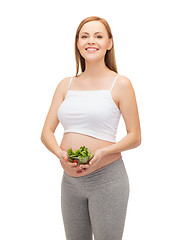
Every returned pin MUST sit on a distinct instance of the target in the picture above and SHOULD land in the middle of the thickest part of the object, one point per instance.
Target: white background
(36, 53)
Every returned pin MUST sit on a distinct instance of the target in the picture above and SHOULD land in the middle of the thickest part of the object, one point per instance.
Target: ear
(110, 44)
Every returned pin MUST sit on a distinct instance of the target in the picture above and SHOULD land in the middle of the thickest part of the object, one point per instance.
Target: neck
(95, 70)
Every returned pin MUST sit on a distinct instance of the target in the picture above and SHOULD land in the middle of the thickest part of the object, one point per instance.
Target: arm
(129, 111)
(49, 140)
(51, 122)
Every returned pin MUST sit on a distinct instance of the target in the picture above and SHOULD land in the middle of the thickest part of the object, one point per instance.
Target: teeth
(92, 49)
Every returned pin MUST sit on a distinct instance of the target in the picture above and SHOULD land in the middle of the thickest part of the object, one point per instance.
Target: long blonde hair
(110, 60)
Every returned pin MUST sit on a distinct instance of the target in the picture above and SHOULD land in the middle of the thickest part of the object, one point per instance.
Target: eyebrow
(88, 33)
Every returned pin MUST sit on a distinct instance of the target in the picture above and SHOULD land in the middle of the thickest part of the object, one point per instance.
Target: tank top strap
(114, 82)
(70, 82)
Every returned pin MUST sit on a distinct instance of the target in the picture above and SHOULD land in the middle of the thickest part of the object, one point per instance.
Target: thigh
(75, 213)
(107, 208)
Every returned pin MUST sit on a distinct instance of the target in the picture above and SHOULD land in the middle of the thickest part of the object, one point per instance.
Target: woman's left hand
(98, 155)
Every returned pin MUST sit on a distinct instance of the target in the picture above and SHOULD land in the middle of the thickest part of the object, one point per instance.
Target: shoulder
(61, 88)
(124, 85)
(125, 88)
(63, 85)
(124, 82)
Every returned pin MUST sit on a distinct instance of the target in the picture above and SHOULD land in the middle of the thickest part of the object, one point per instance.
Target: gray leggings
(95, 203)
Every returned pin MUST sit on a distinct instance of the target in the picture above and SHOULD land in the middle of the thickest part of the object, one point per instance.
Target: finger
(85, 166)
(72, 164)
(79, 171)
(92, 161)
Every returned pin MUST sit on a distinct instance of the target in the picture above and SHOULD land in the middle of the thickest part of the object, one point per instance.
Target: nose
(91, 40)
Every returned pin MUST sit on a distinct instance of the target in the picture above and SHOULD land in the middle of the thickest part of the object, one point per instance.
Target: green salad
(80, 156)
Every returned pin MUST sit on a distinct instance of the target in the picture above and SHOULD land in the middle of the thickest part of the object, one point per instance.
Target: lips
(91, 48)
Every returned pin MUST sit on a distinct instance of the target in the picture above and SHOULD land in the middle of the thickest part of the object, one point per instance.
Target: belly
(76, 140)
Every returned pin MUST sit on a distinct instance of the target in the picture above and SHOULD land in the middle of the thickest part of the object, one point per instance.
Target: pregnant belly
(76, 140)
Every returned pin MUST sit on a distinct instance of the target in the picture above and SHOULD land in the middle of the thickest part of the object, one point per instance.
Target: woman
(94, 196)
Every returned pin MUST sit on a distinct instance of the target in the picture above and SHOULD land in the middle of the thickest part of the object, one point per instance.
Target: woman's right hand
(64, 160)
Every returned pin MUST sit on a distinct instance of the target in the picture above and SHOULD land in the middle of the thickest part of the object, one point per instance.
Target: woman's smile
(91, 49)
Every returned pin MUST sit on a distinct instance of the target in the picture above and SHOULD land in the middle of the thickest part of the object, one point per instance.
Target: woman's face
(93, 41)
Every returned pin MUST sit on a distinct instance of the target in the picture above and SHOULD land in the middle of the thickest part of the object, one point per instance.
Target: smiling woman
(89, 107)
(92, 41)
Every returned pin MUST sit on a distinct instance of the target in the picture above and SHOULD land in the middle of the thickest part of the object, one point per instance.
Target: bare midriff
(75, 141)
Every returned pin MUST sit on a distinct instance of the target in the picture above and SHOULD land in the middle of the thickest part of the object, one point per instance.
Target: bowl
(80, 159)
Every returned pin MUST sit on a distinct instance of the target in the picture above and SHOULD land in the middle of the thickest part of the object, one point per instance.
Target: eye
(99, 36)
(83, 36)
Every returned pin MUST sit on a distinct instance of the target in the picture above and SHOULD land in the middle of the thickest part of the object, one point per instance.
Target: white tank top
(90, 112)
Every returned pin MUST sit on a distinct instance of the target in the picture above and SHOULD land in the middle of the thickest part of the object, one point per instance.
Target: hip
(111, 173)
